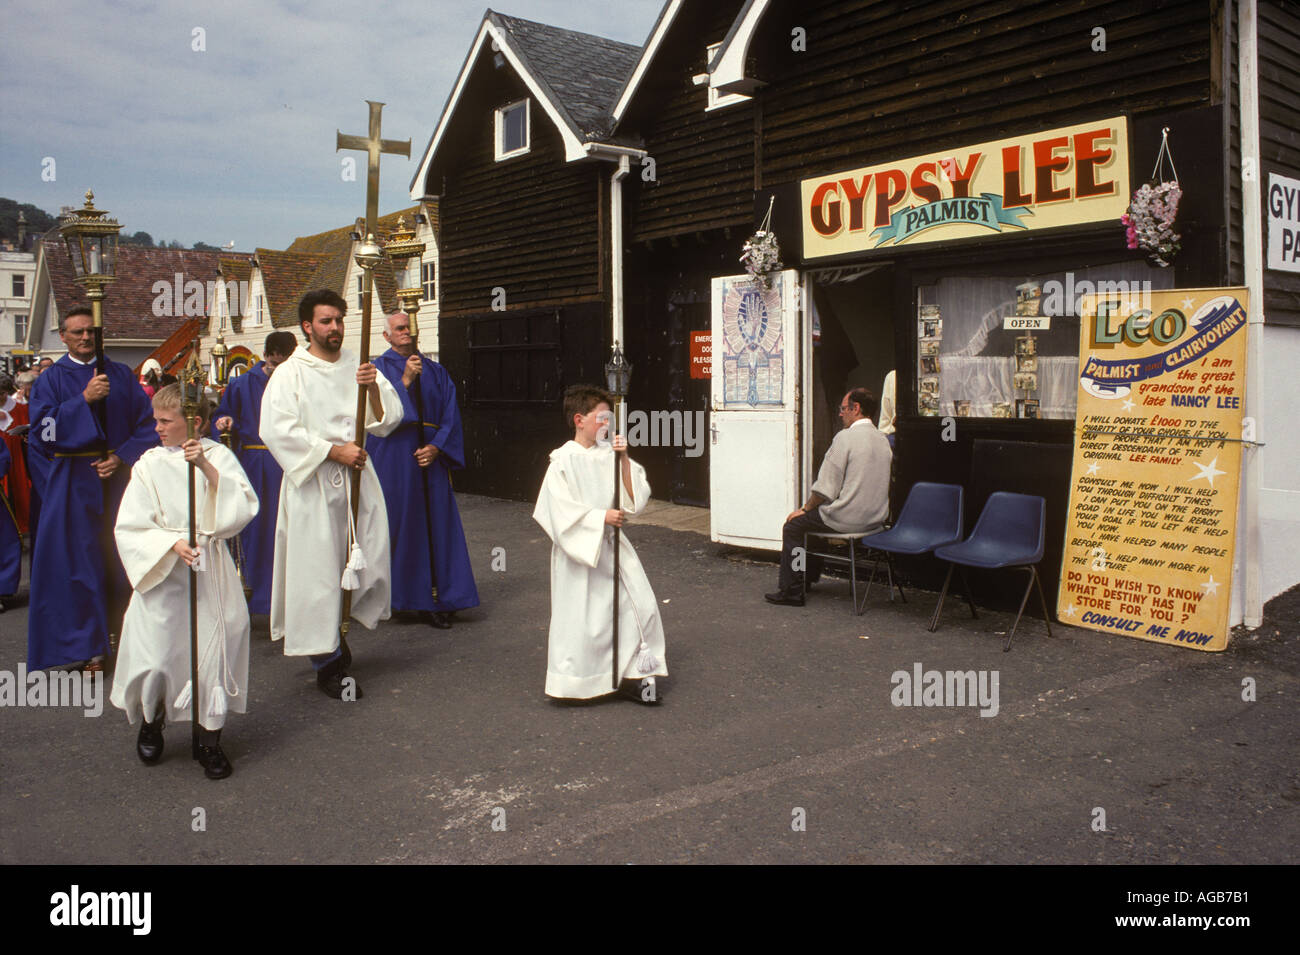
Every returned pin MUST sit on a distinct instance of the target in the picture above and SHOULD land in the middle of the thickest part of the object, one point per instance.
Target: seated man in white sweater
(851, 492)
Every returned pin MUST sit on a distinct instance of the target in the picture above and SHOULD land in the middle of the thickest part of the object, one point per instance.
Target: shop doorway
(852, 312)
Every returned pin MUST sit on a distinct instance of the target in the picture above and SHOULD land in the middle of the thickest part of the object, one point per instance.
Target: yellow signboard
(1056, 178)
(1157, 459)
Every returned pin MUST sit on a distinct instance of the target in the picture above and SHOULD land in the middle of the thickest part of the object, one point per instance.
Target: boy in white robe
(153, 666)
(575, 509)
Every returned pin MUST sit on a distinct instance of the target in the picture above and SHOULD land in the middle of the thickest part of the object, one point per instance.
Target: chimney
(22, 231)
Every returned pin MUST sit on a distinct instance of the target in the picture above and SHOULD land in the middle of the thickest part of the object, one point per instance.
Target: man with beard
(307, 423)
(240, 413)
(431, 568)
(78, 587)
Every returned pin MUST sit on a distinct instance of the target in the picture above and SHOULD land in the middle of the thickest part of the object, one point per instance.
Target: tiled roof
(285, 277)
(584, 73)
(128, 302)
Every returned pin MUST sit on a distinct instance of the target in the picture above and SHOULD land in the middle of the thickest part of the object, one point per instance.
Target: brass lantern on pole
(405, 253)
(91, 237)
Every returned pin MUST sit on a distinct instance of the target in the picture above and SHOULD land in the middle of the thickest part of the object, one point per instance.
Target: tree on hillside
(143, 239)
(38, 220)
(204, 247)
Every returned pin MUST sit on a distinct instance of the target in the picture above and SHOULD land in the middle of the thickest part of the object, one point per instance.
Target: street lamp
(618, 375)
(221, 357)
(91, 237)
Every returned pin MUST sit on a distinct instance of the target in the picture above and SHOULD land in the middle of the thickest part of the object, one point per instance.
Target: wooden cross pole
(373, 146)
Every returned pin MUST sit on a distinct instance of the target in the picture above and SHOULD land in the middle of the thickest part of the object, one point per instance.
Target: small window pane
(514, 128)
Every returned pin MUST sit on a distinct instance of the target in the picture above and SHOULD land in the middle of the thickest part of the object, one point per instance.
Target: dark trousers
(791, 537)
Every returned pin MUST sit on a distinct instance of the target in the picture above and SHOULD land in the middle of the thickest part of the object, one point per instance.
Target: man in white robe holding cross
(308, 425)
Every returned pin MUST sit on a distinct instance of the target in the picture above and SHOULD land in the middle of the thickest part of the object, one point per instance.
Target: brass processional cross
(369, 255)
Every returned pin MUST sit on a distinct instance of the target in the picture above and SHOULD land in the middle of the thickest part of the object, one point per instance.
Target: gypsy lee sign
(1057, 178)
(1157, 456)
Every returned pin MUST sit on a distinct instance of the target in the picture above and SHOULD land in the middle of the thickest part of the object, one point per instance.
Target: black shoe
(785, 599)
(437, 619)
(646, 692)
(149, 744)
(214, 762)
(329, 679)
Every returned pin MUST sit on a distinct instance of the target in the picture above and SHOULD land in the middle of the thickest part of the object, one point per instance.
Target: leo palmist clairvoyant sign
(1157, 461)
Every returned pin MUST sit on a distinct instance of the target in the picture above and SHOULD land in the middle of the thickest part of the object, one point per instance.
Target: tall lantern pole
(402, 249)
(618, 377)
(91, 238)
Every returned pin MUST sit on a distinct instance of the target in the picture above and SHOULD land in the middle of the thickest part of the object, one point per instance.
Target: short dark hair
(865, 401)
(280, 343)
(581, 399)
(321, 296)
(75, 310)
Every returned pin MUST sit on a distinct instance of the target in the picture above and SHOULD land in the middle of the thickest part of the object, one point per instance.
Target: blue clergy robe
(78, 587)
(11, 548)
(242, 402)
(418, 497)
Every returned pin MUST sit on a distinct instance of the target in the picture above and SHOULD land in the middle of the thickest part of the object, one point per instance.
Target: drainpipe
(1251, 235)
(616, 247)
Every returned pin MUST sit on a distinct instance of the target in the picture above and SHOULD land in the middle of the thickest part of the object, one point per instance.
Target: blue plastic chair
(1009, 533)
(931, 517)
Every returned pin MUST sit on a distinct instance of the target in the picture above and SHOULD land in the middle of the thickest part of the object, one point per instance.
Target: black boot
(437, 619)
(211, 758)
(149, 744)
(329, 679)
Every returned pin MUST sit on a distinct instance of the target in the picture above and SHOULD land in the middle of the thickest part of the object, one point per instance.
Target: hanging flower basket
(762, 255)
(1149, 222)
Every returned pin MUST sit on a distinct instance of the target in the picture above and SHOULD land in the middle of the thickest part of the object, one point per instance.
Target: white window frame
(429, 283)
(499, 126)
(720, 100)
(21, 323)
(14, 279)
(257, 310)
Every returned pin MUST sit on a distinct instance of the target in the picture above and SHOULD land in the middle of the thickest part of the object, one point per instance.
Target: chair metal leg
(893, 582)
(938, 608)
(1047, 619)
(853, 578)
(871, 580)
(970, 594)
(1029, 584)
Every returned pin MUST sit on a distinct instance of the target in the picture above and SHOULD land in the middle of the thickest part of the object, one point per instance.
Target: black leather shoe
(149, 744)
(438, 619)
(646, 692)
(214, 762)
(329, 679)
(785, 599)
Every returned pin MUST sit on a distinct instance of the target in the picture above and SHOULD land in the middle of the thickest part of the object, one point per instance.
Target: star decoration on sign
(1211, 586)
(1128, 404)
(1209, 472)
(1070, 610)
(1189, 304)
(1094, 467)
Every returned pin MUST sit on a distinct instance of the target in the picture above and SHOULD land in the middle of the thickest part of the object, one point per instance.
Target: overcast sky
(237, 141)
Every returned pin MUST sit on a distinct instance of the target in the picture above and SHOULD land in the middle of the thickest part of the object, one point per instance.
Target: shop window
(972, 360)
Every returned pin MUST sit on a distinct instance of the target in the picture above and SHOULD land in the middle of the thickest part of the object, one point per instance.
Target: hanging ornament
(1149, 222)
(762, 255)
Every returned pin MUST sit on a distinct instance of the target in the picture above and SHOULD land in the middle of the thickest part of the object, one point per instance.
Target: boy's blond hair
(168, 398)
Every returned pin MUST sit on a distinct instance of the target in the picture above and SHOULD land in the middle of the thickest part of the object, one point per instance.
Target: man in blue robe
(414, 465)
(11, 547)
(239, 412)
(79, 590)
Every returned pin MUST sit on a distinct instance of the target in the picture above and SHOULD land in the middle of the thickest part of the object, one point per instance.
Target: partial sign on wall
(1157, 459)
(1283, 210)
(1060, 177)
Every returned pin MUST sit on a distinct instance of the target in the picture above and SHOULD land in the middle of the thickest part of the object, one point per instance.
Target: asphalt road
(772, 716)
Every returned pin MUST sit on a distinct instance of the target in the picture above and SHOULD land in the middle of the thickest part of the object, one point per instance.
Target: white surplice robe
(309, 405)
(578, 489)
(153, 662)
